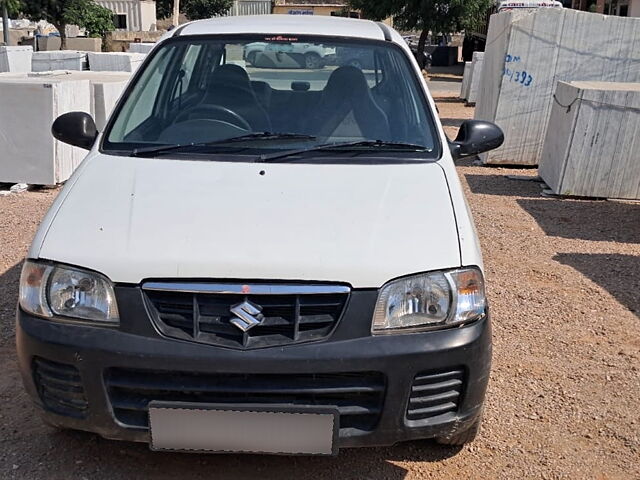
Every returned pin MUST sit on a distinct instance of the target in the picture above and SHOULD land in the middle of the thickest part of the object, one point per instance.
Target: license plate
(280, 430)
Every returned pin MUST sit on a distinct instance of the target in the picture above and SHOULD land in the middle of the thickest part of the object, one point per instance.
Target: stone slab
(592, 145)
(528, 53)
(30, 154)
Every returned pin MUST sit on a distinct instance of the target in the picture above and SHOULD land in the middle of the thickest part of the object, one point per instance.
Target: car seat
(230, 87)
(347, 109)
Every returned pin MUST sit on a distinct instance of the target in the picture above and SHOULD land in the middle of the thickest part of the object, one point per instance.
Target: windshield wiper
(349, 146)
(150, 151)
(265, 136)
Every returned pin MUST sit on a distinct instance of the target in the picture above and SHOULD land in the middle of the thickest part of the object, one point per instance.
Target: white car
(307, 55)
(281, 262)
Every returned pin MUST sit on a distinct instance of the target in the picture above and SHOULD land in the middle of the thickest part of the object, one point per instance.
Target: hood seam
(455, 216)
(66, 191)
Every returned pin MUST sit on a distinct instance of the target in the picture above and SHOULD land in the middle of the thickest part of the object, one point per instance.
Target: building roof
(287, 25)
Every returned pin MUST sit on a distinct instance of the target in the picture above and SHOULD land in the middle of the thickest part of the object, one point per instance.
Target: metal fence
(249, 7)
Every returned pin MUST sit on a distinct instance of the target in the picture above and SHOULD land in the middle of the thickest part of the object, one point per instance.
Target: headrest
(231, 74)
(347, 81)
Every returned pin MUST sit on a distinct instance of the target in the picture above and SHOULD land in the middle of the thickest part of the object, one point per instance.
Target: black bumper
(94, 353)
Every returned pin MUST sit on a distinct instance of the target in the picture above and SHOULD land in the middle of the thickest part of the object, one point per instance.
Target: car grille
(358, 396)
(60, 388)
(434, 394)
(202, 313)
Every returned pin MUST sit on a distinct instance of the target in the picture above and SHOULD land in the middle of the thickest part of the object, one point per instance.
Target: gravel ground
(563, 279)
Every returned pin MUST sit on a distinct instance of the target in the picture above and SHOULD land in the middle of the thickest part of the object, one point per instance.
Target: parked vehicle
(304, 54)
(365, 60)
(427, 58)
(355, 57)
(275, 261)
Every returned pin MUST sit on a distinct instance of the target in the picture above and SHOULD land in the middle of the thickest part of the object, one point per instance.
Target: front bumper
(94, 353)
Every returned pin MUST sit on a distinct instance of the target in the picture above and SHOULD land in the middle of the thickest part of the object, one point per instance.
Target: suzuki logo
(247, 316)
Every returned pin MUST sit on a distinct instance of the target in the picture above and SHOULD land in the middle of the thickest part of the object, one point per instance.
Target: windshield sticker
(280, 38)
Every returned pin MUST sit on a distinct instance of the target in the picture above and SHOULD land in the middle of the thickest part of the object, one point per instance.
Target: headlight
(47, 290)
(429, 301)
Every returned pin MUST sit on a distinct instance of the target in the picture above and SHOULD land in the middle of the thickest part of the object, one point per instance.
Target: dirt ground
(563, 280)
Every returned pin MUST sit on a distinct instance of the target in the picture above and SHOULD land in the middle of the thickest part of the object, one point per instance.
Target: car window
(204, 90)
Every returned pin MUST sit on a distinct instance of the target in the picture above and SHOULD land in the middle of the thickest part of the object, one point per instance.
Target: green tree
(49, 10)
(164, 8)
(194, 9)
(437, 16)
(8, 8)
(64, 12)
(199, 9)
(12, 6)
(94, 18)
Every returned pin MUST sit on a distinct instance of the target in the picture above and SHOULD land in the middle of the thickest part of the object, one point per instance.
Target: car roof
(315, 25)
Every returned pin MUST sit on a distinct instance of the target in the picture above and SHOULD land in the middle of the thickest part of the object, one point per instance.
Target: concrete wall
(119, 41)
(304, 9)
(80, 44)
(17, 34)
(327, 8)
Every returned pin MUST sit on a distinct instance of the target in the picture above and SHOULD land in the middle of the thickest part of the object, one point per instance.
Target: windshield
(264, 95)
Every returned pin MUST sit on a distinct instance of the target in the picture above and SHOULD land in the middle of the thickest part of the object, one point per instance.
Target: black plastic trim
(351, 349)
(104, 144)
(385, 30)
(180, 29)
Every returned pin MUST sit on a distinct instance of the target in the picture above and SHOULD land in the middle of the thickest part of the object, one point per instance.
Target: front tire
(312, 61)
(462, 438)
(354, 62)
(251, 58)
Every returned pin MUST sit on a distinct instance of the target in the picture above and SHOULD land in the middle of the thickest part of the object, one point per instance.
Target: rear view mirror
(474, 137)
(75, 128)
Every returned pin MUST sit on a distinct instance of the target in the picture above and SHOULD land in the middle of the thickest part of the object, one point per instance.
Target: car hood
(139, 218)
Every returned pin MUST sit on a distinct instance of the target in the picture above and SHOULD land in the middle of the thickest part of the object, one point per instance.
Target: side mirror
(75, 128)
(474, 137)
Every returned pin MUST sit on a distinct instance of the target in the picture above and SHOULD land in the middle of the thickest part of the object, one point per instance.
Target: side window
(120, 21)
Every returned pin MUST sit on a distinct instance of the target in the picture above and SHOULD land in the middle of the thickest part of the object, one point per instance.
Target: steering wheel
(206, 112)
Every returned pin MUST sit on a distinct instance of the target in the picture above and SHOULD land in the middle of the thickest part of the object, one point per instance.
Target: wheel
(462, 438)
(428, 60)
(421, 58)
(354, 62)
(312, 61)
